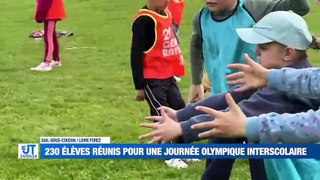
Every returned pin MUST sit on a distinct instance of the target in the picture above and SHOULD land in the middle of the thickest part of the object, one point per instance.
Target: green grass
(91, 95)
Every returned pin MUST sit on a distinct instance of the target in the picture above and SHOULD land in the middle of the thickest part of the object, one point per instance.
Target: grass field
(91, 95)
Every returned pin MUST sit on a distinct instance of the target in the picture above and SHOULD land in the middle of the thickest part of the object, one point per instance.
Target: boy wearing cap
(279, 33)
(215, 44)
(282, 39)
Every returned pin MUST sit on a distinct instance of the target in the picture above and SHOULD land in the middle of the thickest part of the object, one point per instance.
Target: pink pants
(51, 42)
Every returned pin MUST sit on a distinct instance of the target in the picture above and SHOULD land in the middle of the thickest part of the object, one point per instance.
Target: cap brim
(250, 36)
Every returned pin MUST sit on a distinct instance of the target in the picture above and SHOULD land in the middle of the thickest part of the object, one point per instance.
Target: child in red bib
(155, 60)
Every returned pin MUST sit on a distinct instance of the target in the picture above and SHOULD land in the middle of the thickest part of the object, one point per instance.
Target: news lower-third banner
(100, 148)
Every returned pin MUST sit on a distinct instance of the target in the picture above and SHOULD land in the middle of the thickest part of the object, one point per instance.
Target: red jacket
(50, 10)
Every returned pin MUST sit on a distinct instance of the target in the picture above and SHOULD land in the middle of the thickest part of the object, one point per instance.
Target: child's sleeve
(190, 135)
(196, 57)
(286, 128)
(302, 82)
(259, 8)
(217, 102)
(142, 28)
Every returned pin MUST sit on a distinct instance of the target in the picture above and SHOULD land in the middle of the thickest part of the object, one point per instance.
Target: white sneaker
(176, 163)
(42, 67)
(55, 64)
(192, 160)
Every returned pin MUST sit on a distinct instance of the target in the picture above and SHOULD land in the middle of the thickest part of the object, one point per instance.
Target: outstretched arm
(302, 82)
(267, 128)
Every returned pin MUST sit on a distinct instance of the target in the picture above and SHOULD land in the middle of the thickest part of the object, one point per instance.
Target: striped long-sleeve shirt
(302, 127)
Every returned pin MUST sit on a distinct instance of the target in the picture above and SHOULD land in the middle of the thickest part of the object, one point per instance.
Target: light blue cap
(285, 27)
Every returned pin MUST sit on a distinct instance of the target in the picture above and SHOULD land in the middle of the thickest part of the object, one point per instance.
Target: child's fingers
(153, 118)
(209, 134)
(164, 114)
(237, 75)
(201, 96)
(232, 104)
(164, 108)
(193, 98)
(250, 61)
(210, 111)
(204, 125)
(236, 82)
(149, 125)
(237, 66)
(149, 135)
(155, 140)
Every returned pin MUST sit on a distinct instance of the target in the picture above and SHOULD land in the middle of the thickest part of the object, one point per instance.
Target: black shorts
(164, 92)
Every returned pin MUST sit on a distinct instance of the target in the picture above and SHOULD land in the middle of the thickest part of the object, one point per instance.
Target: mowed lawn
(91, 95)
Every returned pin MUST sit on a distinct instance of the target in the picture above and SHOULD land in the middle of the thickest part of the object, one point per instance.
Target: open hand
(225, 124)
(164, 131)
(253, 75)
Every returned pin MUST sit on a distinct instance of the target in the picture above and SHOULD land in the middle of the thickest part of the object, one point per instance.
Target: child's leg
(174, 99)
(219, 169)
(156, 96)
(257, 169)
(47, 38)
(49, 27)
(56, 49)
